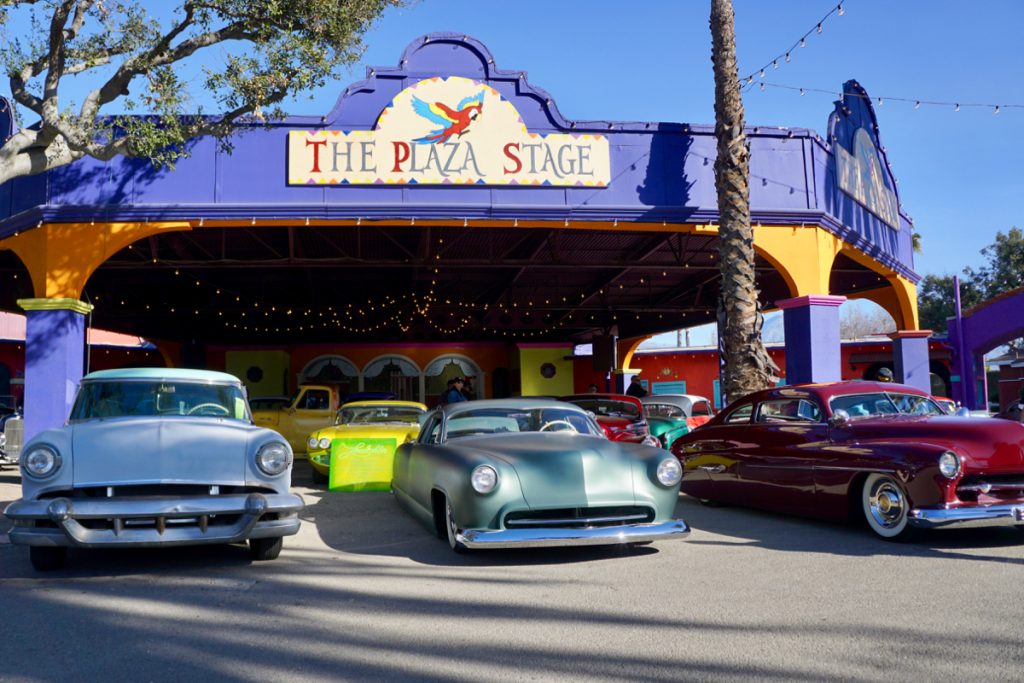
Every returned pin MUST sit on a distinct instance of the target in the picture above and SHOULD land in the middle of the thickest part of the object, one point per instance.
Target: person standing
(883, 375)
(636, 388)
(454, 392)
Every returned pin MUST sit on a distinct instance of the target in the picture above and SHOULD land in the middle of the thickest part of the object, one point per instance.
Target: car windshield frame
(162, 398)
(412, 416)
(496, 421)
(893, 403)
(630, 411)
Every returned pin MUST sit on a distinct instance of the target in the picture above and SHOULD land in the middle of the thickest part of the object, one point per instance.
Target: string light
(786, 54)
(882, 99)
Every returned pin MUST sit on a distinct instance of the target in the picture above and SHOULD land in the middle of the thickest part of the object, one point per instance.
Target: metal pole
(961, 351)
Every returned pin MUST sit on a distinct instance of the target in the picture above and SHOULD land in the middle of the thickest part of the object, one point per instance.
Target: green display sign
(362, 464)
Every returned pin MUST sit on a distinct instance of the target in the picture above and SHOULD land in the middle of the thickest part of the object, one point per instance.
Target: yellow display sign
(448, 131)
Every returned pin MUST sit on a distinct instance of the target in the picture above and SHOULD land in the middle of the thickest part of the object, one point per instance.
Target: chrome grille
(14, 438)
(1004, 487)
(580, 517)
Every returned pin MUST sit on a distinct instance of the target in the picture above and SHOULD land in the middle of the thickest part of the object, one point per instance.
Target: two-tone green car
(516, 473)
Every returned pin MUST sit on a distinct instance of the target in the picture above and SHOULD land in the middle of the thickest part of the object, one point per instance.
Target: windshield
(603, 407)
(151, 398)
(379, 414)
(502, 420)
(887, 403)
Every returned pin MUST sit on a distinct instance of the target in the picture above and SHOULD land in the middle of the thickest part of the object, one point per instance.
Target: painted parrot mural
(453, 121)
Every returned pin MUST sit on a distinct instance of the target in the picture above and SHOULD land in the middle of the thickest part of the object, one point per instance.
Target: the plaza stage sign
(862, 177)
(447, 131)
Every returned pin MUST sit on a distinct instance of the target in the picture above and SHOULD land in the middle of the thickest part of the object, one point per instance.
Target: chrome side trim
(965, 517)
(547, 538)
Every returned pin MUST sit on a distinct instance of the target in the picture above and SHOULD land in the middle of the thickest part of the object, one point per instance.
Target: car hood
(398, 431)
(563, 470)
(145, 450)
(660, 425)
(988, 444)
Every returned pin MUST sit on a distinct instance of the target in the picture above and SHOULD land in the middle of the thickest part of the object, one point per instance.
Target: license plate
(1018, 514)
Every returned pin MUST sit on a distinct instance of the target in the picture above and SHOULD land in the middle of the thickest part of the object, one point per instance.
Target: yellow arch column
(899, 299)
(803, 255)
(60, 257)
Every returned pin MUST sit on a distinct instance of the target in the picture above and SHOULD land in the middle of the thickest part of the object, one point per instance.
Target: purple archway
(984, 327)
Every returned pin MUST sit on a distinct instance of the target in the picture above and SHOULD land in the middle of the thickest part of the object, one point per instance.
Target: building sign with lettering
(862, 177)
(448, 131)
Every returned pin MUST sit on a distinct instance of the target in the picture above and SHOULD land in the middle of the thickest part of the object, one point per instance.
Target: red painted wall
(699, 367)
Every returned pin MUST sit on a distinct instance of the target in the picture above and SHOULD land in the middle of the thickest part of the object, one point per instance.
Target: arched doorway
(395, 374)
(443, 368)
(331, 370)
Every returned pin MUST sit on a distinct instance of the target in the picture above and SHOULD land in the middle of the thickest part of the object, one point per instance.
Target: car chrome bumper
(546, 538)
(161, 517)
(964, 517)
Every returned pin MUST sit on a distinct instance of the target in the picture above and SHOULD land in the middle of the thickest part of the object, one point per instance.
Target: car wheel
(262, 549)
(886, 507)
(453, 530)
(319, 477)
(47, 559)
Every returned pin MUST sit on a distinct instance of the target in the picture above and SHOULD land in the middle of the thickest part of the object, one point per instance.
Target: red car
(620, 416)
(882, 451)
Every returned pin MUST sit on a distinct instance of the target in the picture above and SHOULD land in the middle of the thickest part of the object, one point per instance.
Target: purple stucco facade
(660, 172)
(984, 328)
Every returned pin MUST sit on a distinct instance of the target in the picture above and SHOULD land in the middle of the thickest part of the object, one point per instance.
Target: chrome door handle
(712, 468)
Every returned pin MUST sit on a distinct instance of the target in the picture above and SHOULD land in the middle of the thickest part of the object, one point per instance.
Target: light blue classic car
(155, 457)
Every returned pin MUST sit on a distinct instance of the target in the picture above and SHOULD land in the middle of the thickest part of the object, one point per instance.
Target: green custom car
(517, 473)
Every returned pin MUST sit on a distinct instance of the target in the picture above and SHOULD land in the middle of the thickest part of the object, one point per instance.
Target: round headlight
(41, 461)
(484, 479)
(669, 472)
(651, 441)
(313, 441)
(325, 443)
(274, 458)
(949, 464)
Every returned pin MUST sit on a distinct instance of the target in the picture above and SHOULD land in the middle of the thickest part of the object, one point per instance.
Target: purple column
(54, 360)
(812, 338)
(910, 358)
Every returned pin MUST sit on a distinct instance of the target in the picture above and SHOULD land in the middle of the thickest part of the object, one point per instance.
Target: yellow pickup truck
(313, 408)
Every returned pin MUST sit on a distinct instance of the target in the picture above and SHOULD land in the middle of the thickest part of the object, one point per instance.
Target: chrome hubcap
(887, 505)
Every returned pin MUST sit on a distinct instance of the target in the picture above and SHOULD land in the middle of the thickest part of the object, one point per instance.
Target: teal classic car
(516, 473)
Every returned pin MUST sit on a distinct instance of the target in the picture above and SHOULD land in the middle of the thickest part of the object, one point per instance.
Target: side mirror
(840, 418)
(963, 411)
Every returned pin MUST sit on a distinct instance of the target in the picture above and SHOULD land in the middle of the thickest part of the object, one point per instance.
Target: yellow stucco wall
(533, 383)
(275, 367)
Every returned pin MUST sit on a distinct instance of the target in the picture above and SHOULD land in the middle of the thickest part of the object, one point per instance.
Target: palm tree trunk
(747, 365)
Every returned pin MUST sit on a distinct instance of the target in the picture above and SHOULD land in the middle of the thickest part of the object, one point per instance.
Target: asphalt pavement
(363, 593)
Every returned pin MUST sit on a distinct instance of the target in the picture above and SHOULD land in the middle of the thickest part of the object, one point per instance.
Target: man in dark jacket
(636, 388)
(454, 392)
